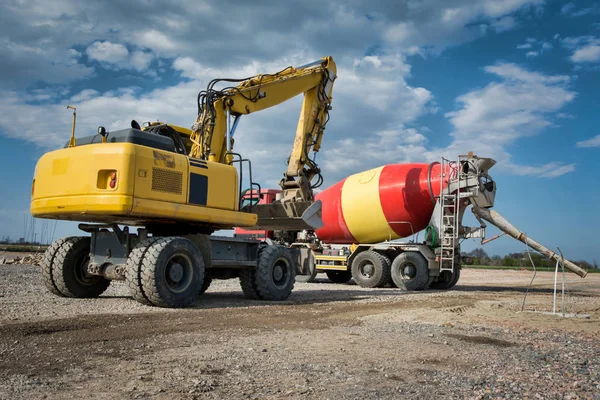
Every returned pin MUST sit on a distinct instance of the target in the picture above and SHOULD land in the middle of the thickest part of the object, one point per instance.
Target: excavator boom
(212, 137)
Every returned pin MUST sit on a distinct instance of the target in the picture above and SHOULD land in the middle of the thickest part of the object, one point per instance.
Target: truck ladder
(450, 203)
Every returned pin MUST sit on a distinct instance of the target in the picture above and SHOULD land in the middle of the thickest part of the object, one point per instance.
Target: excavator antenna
(72, 142)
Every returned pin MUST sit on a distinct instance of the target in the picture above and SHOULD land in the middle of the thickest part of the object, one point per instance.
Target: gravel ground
(327, 341)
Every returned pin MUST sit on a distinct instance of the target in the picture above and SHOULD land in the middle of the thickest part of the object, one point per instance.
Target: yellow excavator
(178, 186)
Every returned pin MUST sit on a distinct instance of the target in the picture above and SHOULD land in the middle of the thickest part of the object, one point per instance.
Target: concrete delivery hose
(494, 218)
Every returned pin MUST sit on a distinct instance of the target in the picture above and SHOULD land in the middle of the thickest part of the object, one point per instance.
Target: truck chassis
(406, 265)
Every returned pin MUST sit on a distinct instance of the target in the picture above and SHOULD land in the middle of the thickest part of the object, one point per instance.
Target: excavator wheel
(273, 277)
(170, 272)
(410, 271)
(47, 267)
(371, 269)
(339, 276)
(133, 271)
(446, 280)
(248, 279)
(65, 269)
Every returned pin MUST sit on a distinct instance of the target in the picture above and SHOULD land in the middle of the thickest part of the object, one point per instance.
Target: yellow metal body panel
(152, 186)
(340, 259)
(329, 267)
(361, 204)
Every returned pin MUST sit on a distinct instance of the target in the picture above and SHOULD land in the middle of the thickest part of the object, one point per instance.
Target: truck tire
(339, 276)
(172, 272)
(410, 271)
(371, 269)
(309, 265)
(133, 270)
(205, 285)
(47, 262)
(275, 273)
(446, 280)
(68, 270)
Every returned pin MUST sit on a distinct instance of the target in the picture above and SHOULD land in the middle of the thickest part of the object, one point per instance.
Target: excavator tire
(339, 276)
(371, 269)
(275, 273)
(47, 262)
(446, 280)
(133, 271)
(68, 270)
(410, 271)
(248, 279)
(172, 272)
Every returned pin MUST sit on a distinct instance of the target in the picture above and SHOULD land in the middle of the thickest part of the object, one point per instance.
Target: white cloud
(546, 46)
(564, 116)
(593, 142)
(537, 47)
(569, 9)
(37, 39)
(493, 117)
(586, 49)
(566, 9)
(115, 55)
(550, 170)
(589, 53)
(140, 60)
(504, 24)
(370, 92)
(383, 147)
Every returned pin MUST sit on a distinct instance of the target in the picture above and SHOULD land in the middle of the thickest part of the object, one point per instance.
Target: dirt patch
(483, 340)
(325, 341)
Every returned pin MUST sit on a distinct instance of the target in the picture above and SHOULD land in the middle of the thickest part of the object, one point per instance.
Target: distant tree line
(480, 257)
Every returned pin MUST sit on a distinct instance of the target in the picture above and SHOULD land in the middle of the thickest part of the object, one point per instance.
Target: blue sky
(515, 80)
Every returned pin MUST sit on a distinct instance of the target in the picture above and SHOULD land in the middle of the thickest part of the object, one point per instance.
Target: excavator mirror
(102, 131)
(135, 125)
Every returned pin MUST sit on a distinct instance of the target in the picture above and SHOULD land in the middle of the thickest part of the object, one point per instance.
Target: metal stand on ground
(532, 278)
(563, 284)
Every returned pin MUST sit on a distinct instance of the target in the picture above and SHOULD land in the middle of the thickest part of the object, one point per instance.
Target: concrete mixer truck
(365, 214)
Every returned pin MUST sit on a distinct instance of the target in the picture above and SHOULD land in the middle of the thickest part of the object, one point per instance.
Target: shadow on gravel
(521, 289)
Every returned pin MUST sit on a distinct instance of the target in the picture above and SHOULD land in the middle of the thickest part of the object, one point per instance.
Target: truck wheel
(311, 269)
(172, 272)
(205, 285)
(47, 262)
(446, 280)
(275, 273)
(339, 276)
(410, 271)
(371, 269)
(68, 270)
(133, 270)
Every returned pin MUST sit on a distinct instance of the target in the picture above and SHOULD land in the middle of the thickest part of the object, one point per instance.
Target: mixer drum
(384, 203)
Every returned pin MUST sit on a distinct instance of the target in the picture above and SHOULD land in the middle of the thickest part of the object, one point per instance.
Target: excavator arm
(212, 133)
